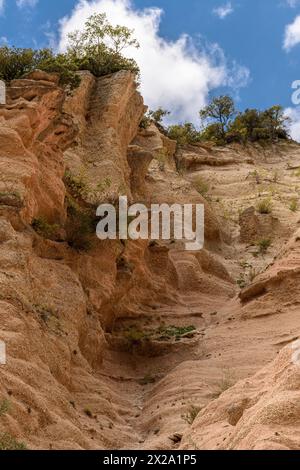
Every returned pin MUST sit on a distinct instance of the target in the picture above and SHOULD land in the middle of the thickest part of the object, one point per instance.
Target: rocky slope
(141, 344)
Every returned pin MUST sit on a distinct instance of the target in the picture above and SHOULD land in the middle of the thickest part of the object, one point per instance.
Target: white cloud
(174, 74)
(223, 10)
(292, 34)
(292, 3)
(2, 6)
(26, 3)
(294, 127)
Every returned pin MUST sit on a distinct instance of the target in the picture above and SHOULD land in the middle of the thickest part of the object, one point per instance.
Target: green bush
(264, 245)
(253, 125)
(8, 442)
(224, 125)
(80, 226)
(44, 229)
(15, 62)
(213, 133)
(184, 133)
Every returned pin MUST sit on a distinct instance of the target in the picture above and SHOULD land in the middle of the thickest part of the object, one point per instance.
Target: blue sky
(245, 37)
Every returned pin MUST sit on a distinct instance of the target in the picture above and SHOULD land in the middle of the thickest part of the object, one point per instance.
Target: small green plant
(135, 337)
(104, 185)
(191, 414)
(77, 184)
(201, 186)
(174, 332)
(264, 245)
(148, 379)
(265, 206)
(8, 442)
(241, 282)
(294, 205)
(43, 228)
(80, 226)
(44, 311)
(4, 407)
(10, 198)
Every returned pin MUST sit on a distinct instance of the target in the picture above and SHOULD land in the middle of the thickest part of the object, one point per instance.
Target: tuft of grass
(265, 206)
(135, 337)
(8, 442)
(294, 205)
(263, 245)
(43, 228)
(226, 382)
(169, 332)
(148, 379)
(191, 414)
(201, 186)
(104, 185)
(45, 312)
(4, 407)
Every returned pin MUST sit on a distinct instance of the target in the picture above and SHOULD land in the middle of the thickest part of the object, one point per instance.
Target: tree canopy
(97, 48)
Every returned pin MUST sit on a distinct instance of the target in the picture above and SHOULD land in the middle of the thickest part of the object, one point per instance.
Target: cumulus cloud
(176, 75)
(292, 34)
(294, 126)
(223, 10)
(292, 3)
(26, 3)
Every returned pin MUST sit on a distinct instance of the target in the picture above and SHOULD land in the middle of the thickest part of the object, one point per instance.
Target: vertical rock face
(56, 302)
(108, 342)
(111, 117)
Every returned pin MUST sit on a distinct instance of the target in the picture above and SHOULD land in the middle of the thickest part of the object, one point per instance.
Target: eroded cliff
(120, 345)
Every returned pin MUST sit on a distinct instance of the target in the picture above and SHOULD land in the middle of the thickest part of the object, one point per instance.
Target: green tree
(220, 110)
(99, 46)
(184, 133)
(15, 62)
(158, 115)
(245, 126)
(275, 122)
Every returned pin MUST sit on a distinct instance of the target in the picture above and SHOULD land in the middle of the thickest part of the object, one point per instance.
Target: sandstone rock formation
(116, 344)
